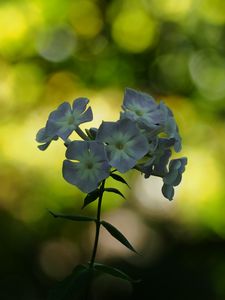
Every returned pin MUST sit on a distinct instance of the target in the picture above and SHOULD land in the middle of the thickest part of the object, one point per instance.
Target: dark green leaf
(117, 235)
(119, 178)
(72, 217)
(91, 197)
(73, 286)
(114, 272)
(113, 190)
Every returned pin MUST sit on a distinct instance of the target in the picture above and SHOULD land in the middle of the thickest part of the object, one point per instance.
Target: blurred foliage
(51, 51)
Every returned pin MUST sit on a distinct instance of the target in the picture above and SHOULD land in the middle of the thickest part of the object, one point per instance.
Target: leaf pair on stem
(81, 277)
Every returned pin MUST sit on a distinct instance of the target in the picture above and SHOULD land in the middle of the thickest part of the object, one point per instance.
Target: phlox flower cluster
(143, 139)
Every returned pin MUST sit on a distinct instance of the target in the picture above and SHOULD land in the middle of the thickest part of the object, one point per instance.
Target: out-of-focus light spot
(27, 83)
(85, 17)
(150, 199)
(212, 11)
(18, 145)
(201, 183)
(12, 23)
(56, 44)
(172, 10)
(207, 71)
(20, 87)
(62, 86)
(196, 198)
(99, 105)
(171, 71)
(131, 226)
(99, 45)
(134, 30)
(6, 91)
(57, 258)
(211, 35)
(19, 22)
(53, 12)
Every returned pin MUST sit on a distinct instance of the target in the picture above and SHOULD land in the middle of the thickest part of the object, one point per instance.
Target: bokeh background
(54, 51)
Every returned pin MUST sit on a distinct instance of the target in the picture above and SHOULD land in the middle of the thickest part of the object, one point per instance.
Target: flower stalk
(81, 134)
(98, 224)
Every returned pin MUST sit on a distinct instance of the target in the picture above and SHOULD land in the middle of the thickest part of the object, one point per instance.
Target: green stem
(98, 223)
(81, 134)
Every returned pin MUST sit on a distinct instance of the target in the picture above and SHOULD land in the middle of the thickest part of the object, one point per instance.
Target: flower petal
(125, 143)
(134, 100)
(121, 161)
(168, 191)
(80, 104)
(98, 150)
(86, 116)
(160, 168)
(91, 168)
(76, 149)
(105, 131)
(41, 136)
(170, 126)
(137, 147)
(74, 174)
(65, 132)
(62, 111)
(43, 147)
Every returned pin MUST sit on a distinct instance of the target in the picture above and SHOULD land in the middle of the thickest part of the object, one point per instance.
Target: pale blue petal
(105, 131)
(80, 104)
(170, 126)
(85, 180)
(44, 146)
(87, 116)
(73, 174)
(128, 127)
(52, 127)
(76, 149)
(98, 150)
(41, 136)
(121, 161)
(134, 99)
(128, 115)
(65, 132)
(137, 147)
(62, 111)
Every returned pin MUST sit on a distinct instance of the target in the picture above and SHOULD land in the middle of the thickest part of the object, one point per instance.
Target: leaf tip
(52, 213)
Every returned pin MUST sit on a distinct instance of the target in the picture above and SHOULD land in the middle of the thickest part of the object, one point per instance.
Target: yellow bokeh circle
(85, 18)
(134, 30)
